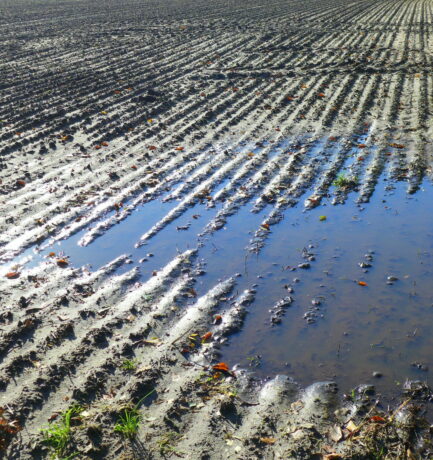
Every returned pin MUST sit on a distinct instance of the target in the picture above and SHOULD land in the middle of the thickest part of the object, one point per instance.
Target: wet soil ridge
(218, 106)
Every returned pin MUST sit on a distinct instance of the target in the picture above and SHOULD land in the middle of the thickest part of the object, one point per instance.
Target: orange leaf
(62, 262)
(268, 440)
(180, 149)
(51, 254)
(217, 319)
(361, 146)
(321, 95)
(397, 146)
(362, 283)
(97, 147)
(152, 147)
(377, 418)
(221, 367)
(265, 226)
(206, 336)
(12, 275)
(105, 144)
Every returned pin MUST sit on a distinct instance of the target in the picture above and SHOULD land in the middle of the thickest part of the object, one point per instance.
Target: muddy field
(215, 220)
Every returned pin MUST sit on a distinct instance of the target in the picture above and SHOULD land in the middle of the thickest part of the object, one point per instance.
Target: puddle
(335, 328)
(382, 327)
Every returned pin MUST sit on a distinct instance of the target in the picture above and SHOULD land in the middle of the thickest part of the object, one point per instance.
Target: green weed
(130, 420)
(57, 435)
(129, 364)
(343, 181)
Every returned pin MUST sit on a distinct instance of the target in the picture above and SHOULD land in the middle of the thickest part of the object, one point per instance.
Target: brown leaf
(335, 433)
(152, 147)
(268, 440)
(192, 292)
(105, 144)
(217, 319)
(361, 146)
(397, 146)
(377, 418)
(220, 367)
(62, 262)
(20, 183)
(180, 149)
(206, 337)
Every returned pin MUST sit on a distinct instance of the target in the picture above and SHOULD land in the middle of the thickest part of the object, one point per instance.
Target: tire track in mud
(224, 108)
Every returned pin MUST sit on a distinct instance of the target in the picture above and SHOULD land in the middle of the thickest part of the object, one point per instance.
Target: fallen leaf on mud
(97, 147)
(191, 292)
(335, 433)
(206, 337)
(268, 440)
(62, 262)
(180, 149)
(377, 418)
(362, 283)
(217, 319)
(152, 147)
(351, 426)
(250, 154)
(12, 275)
(361, 146)
(220, 367)
(321, 95)
(53, 416)
(397, 146)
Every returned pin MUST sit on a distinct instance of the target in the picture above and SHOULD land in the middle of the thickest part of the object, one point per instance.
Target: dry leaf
(62, 262)
(206, 337)
(217, 319)
(362, 283)
(351, 426)
(268, 440)
(335, 433)
(220, 367)
(180, 149)
(12, 275)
